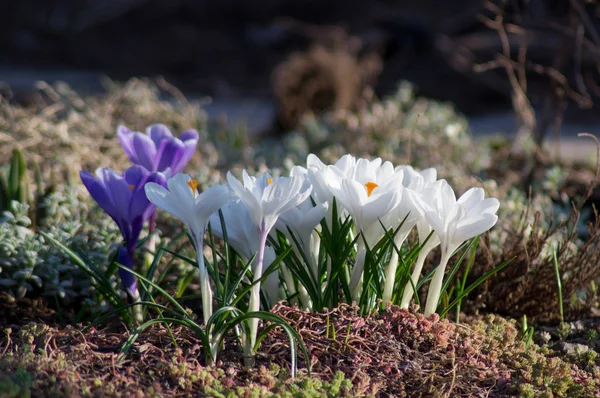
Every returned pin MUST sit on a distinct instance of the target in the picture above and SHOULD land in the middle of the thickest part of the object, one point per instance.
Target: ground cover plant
(326, 270)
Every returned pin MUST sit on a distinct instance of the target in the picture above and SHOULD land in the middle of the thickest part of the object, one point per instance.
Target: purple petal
(127, 278)
(161, 136)
(98, 192)
(112, 193)
(145, 151)
(189, 147)
(138, 206)
(118, 189)
(160, 179)
(170, 153)
(189, 135)
(126, 139)
(158, 133)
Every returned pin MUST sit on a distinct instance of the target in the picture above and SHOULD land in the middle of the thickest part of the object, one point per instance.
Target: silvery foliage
(30, 266)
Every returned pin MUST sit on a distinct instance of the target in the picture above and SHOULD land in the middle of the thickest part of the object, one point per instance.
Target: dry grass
(64, 132)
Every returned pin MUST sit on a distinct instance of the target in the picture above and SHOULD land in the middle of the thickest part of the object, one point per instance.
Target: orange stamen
(269, 181)
(370, 187)
(131, 187)
(193, 184)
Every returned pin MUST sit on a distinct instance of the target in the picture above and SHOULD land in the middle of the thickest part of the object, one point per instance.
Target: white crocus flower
(405, 215)
(323, 177)
(302, 221)
(266, 199)
(182, 200)
(427, 245)
(455, 221)
(242, 236)
(373, 192)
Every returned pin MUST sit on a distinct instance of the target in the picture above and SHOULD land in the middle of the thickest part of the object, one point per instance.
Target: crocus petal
(430, 175)
(471, 197)
(312, 161)
(157, 178)
(169, 154)
(489, 205)
(474, 227)
(117, 188)
(242, 233)
(145, 151)
(136, 177)
(381, 206)
(126, 139)
(190, 141)
(158, 133)
(161, 198)
(127, 278)
(177, 200)
(98, 192)
(207, 203)
(252, 203)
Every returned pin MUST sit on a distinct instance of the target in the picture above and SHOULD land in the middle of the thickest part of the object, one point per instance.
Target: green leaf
(18, 184)
(293, 335)
(472, 286)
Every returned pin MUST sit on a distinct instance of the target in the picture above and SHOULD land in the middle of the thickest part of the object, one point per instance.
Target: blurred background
(505, 64)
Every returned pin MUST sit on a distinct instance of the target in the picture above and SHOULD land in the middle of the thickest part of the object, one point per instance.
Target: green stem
(408, 289)
(390, 270)
(435, 287)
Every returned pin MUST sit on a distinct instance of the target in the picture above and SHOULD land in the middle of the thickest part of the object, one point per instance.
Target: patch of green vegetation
(17, 384)
(536, 370)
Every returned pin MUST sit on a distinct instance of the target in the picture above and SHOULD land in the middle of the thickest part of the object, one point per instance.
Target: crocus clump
(156, 155)
(298, 220)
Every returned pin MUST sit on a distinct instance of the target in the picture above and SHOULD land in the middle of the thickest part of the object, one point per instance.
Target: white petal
(471, 197)
(165, 200)
(210, 201)
(430, 175)
(312, 161)
(346, 165)
(472, 227)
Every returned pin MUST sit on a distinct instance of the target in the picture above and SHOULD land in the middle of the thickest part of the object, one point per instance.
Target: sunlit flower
(158, 150)
(182, 200)
(242, 236)
(455, 221)
(266, 198)
(374, 191)
(122, 197)
(322, 176)
(428, 239)
(404, 217)
(298, 225)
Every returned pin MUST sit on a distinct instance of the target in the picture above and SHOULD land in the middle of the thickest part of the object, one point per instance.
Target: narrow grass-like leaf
(474, 285)
(155, 286)
(185, 322)
(293, 335)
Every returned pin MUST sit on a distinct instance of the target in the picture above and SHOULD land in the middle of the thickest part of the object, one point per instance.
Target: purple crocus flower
(123, 198)
(158, 150)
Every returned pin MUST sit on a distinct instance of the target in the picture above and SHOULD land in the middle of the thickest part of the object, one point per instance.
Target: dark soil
(392, 353)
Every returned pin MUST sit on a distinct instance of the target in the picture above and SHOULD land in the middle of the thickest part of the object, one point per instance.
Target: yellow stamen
(269, 181)
(131, 187)
(193, 184)
(370, 187)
